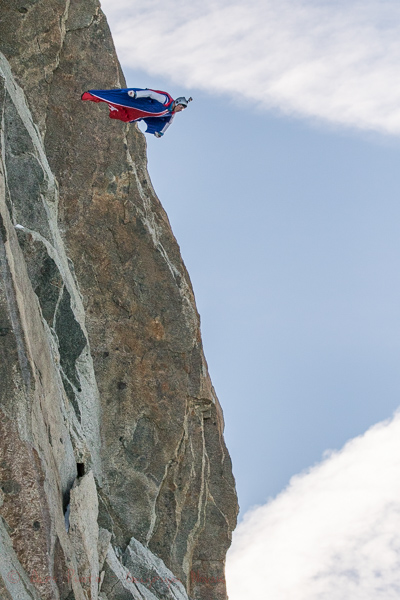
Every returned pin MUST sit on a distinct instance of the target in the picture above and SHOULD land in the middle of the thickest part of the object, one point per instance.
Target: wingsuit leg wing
(116, 112)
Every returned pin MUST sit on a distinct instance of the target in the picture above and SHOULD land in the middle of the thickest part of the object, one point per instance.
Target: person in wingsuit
(156, 108)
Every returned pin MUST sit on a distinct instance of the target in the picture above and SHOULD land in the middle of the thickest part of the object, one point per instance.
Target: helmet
(182, 100)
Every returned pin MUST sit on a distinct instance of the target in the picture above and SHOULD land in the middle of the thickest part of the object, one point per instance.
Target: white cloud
(332, 60)
(333, 534)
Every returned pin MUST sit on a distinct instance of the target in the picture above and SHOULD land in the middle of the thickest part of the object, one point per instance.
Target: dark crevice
(3, 231)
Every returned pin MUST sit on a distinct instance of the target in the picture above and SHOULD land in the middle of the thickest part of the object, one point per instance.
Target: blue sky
(281, 183)
(290, 236)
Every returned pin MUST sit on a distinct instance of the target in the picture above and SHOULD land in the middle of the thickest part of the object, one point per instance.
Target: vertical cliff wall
(115, 479)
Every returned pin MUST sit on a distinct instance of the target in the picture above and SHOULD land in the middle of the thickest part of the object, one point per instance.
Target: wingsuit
(154, 107)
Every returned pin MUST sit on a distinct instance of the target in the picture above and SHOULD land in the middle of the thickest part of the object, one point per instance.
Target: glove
(132, 94)
(158, 134)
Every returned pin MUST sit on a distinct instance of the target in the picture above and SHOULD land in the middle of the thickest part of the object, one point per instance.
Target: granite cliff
(115, 479)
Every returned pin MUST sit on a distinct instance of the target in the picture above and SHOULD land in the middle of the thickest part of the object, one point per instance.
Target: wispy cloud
(332, 60)
(332, 534)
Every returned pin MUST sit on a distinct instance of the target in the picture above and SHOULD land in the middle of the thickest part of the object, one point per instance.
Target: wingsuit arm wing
(164, 129)
(158, 125)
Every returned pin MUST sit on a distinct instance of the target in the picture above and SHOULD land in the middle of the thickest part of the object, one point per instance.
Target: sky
(281, 184)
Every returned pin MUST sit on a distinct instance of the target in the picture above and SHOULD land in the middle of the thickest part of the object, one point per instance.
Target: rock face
(115, 479)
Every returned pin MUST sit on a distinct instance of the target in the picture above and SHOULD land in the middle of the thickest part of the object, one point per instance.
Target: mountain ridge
(108, 412)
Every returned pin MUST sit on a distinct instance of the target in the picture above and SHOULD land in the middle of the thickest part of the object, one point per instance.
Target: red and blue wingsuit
(154, 107)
